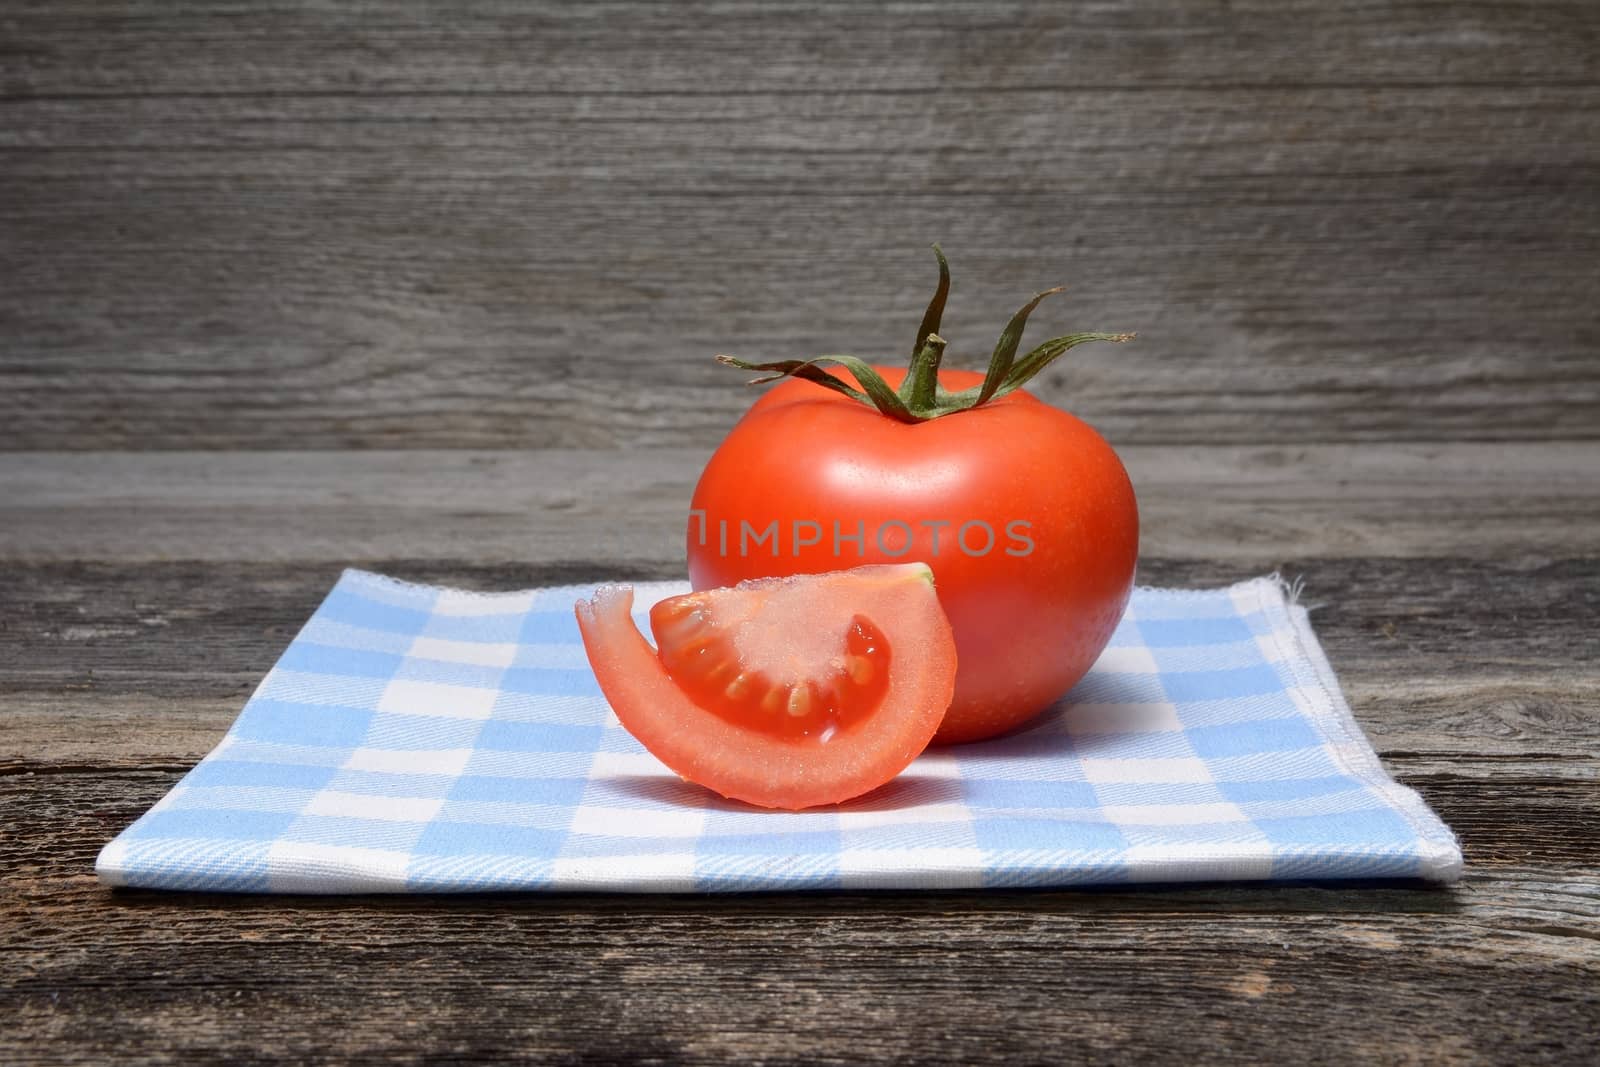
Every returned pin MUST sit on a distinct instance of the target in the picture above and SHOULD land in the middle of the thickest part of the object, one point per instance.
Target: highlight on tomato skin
(784, 693)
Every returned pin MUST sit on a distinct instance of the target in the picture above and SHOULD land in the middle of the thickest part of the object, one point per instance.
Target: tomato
(1024, 513)
(785, 693)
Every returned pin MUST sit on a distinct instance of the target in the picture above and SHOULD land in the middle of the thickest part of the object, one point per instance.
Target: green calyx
(921, 397)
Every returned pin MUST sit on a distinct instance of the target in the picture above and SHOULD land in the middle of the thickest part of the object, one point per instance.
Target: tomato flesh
(845, 679)
(701, 651)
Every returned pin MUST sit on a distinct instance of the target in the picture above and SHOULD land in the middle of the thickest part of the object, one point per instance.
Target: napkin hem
(1441, 859)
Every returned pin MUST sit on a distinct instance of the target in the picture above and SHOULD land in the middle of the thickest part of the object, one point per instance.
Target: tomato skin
(748, 761)
(1030, 614)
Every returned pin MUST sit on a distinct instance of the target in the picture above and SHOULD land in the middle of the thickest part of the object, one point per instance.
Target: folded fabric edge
(1440, 859)
(312, 870)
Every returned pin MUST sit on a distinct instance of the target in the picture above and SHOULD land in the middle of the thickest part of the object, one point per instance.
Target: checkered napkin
(417, 739)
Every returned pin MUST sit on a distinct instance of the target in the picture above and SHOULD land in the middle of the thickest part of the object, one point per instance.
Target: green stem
(920, 390)
(920, 396)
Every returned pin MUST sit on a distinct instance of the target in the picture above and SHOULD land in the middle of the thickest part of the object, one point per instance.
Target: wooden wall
(497, 224)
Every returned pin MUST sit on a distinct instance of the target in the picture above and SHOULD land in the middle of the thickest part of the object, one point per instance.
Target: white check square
(478, 653)
(1127, 659)
(639, 822)
(942, 868)
(335, 804)
(404, 696)
(1156, 771)
(1271, 648)
(305, 867)
(628, 765)
(1238, 861)
(459, 603)
(935, 764)
(647, 872)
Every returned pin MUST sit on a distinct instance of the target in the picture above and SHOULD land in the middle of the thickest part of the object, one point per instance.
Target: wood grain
(88, 670)
(1253, 507)
(528, 227)
(208, 976)
(100, 47)
(1502, 968)
(490, 250)
(1474, 677)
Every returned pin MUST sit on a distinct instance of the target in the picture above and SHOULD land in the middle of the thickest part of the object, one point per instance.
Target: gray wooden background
(434, 288)
(493, 224)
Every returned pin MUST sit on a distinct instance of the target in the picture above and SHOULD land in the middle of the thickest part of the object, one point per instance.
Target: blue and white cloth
(417, 739)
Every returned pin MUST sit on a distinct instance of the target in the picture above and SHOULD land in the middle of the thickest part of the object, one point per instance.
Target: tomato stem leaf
(935, 312)
(876, 390)
(921, 397)
(1006, 350)
(1042, 356)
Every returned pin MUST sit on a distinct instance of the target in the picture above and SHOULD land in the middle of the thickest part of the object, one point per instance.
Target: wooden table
(142, 596)
(434, 289)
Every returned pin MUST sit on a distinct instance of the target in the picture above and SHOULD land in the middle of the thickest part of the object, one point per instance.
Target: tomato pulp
(1024, 513)
(785, 693)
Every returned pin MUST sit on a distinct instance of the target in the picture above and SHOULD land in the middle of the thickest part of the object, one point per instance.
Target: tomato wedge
(781, 692)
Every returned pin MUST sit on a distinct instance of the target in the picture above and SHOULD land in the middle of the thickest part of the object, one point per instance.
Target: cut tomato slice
(781, 692)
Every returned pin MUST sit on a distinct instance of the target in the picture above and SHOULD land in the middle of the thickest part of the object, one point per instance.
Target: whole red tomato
(1024, 513)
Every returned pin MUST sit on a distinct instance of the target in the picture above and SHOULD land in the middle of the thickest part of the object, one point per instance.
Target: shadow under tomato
(1078, 724)
(1062, 731)
(910, 790)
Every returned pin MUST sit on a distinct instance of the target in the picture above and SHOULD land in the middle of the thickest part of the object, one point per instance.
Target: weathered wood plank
(317, 226)
(59, 47)
(115, 665)
(393, 310)
(1501, 968)
(746, 144)
(463, 233)
(1253, 508)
